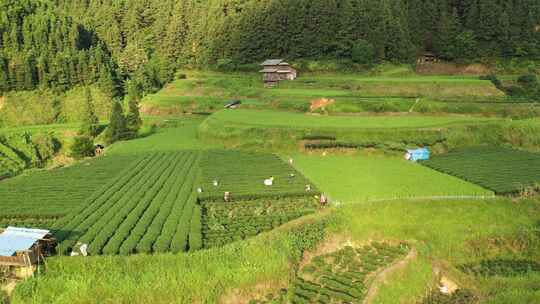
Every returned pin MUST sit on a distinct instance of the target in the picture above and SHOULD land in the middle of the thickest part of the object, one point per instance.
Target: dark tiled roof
(272, 62)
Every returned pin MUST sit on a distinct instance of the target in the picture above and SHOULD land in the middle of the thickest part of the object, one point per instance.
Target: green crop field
(152, 206)
(379, 178)
(502, 170)
(243, 175)
(49, 194)
(146, 209)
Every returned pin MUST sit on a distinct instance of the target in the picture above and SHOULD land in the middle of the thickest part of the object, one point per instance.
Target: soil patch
(2, 102)
(445, 68)
(244, 295)
(320, 103)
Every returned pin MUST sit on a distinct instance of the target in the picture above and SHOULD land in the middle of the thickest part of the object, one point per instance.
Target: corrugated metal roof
(16, 239)
(272, 62)
(268, 71)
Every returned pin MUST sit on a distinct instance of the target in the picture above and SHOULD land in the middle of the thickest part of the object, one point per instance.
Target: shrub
(363, 52)
(83, 146)
(529, 81)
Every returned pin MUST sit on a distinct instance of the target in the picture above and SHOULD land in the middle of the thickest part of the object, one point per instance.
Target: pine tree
(133, 118)
(106, 83)
(116, 130)
(448, 30)
(90, 122)
(4, 78)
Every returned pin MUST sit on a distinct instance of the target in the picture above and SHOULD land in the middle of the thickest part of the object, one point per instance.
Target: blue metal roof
(17, 239)
(418, 154)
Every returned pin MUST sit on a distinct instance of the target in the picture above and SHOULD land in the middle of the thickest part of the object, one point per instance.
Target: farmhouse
(23, 247)
(275, 70)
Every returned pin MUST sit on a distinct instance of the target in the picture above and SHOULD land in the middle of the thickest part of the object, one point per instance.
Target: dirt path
(381, 277)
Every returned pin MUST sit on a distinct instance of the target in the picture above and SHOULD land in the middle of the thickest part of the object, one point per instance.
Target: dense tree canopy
(61, 43)
(40, 48)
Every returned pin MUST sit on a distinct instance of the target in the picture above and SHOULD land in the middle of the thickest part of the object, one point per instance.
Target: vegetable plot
(342, 276)
(499, 169)
(228, 222)
(146, 209)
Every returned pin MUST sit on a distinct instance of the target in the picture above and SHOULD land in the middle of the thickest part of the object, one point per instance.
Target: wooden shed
(24, 247)
(276, 70)
(427, 58)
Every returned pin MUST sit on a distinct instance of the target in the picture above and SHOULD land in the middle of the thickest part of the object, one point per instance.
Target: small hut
(276, 70)
(417, 154)
(24, 247)
(427, 58)
(99, 149)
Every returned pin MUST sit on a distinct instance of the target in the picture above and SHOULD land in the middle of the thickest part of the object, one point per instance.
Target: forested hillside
(62, 43)
(41, 48)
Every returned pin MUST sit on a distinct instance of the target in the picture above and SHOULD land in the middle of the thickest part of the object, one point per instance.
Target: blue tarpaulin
(17, 239)
(418, 154)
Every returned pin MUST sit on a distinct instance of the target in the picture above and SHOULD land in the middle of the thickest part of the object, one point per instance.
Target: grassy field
(380, 178)
(502, 170)
(273, 119)
(449, 233)
(170, 135)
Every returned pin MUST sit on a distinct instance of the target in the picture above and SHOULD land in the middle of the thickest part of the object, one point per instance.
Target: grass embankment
(362, 178)
(449, 233)
(284, 130)
(169, 135)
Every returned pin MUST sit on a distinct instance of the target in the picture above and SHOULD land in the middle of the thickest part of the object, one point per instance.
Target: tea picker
(269, 181)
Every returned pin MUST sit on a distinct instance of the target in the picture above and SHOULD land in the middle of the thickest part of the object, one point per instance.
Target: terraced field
(502, 170)
(152, 206)
(342, 276)
(274, 119)
(146, 209)
(243, 174)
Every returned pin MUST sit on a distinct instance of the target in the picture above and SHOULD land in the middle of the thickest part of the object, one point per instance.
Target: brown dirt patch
(244, 295)
(445, 68)
(2, 101)
(60, 161)
(161, 111)
(320, 103)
